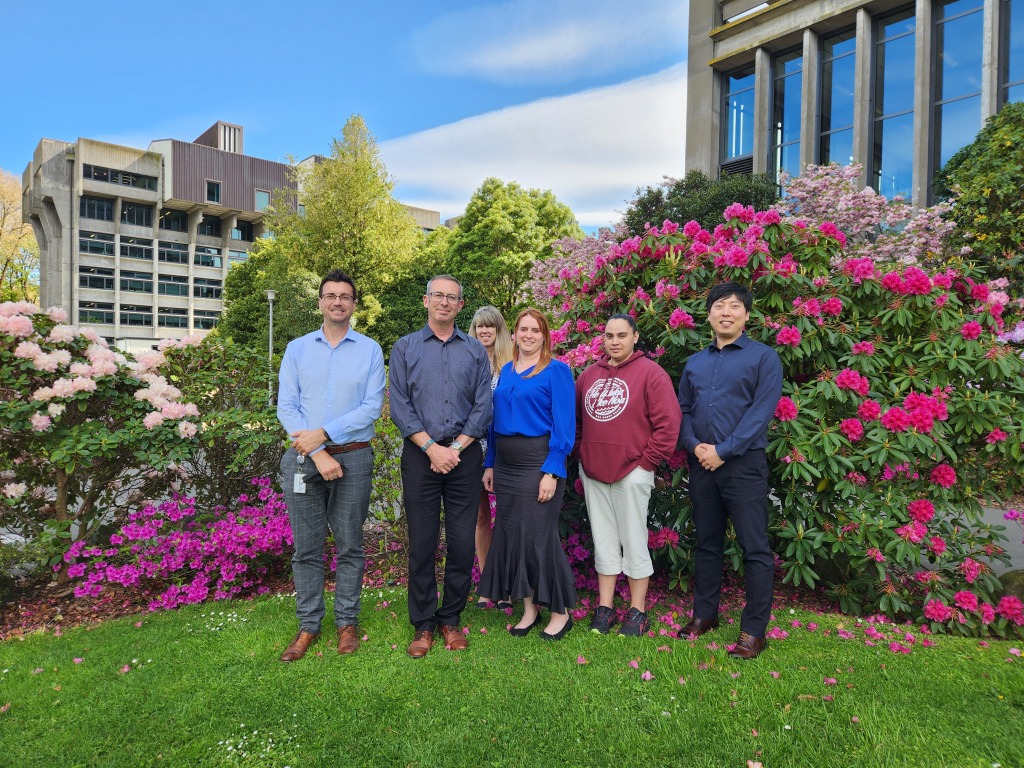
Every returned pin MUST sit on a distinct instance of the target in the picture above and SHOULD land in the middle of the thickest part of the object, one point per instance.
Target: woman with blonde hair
(532, 433)
(488, 327)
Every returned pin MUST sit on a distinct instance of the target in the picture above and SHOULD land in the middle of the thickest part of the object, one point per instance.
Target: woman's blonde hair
(545, 347)
(489, 317)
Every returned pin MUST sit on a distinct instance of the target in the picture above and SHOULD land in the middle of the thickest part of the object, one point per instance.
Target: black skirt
(526, 557)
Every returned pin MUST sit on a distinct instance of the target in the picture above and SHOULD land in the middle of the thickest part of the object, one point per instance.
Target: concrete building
(137, 243)
(897, 85)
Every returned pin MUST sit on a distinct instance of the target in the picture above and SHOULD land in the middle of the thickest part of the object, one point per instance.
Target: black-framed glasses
(345, 298)
(438, 297)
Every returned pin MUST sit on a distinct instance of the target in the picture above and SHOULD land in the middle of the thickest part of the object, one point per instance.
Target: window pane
(1016, 93)
(956, 7)
(1015, 43)
(894, 77)
(838, 45)
(898, 24)
(894, 156)
(837, 147)
(959, 44)
(956, 125)
(837, 78)
(787, 158)
(740, 139)
(786, 115)
(262, 200)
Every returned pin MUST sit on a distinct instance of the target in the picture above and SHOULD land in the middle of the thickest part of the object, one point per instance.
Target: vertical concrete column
(809, 100)
(762, 108)
(703, 92)
(863, 113)
(69, 233)
(924, 123)
(990, 57)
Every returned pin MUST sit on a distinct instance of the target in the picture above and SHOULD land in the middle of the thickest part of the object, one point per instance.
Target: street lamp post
(271, 295)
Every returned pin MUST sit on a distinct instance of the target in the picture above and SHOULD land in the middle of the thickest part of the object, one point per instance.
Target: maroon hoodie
(626, 415)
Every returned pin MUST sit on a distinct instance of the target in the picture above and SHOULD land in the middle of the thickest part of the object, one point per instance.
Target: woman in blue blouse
(532, 433)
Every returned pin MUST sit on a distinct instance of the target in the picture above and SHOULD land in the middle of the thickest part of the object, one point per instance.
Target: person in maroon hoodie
(627, 418)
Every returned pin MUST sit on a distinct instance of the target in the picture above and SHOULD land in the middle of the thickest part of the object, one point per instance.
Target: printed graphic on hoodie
(607, 399)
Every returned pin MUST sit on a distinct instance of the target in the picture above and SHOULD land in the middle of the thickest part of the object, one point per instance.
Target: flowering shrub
(181, 557)
(899, 409)
(82, 426)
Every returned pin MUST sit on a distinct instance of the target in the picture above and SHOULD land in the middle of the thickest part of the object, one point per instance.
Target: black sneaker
(603, 620)
(636, 624)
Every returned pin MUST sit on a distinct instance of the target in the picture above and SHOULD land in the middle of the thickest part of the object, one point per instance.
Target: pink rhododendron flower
(832, 306)
(153, 420)
(852, 428)
(40, 422)
(786, 410)
(647, 675)
(876, 554)
(971, 569)
(895, 420)
(869, 410)
(937, 545)
(943, 475)
(681, 318)
(971, 330)
(921, 510)
(988, 613)
(912, 532)
(966, 600)
(996, 436)
(864, 348)
(788, 336)
(1011, 609)
(853, 380)
(936, 610)
(14, 490)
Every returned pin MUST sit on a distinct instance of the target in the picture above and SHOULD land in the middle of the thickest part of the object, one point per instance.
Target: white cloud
(592, 149)
(526, 41)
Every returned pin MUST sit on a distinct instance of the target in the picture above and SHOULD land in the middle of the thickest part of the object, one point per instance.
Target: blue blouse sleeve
(563, 417)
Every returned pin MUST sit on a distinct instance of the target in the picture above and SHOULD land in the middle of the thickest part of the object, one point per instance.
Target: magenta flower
(936, 610)
(635, 664)
(966, 600)
(937, 545)
(912, 533)
(581, 659)
(1011, 609)
(852, 428)
(853, 381)
(971, 569)
(996, 436)
(647, 675)
(830, 681)
(680, 318)
(786, 410)
(943, 475)
(864, 348)
(971, 330)
(869, 410)
(832, 306)
(895, 420)
(788, 336)
(921, 510)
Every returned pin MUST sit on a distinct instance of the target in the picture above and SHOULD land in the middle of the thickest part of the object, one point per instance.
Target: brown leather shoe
(299, 645)
(748, 646)
(421, 643)
(696, 627)
(348, 639)
(454, 640)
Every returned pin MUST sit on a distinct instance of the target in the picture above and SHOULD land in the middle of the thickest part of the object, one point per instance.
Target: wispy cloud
(527, 41)
(593, 149)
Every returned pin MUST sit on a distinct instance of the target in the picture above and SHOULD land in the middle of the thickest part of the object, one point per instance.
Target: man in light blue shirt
(331, 393)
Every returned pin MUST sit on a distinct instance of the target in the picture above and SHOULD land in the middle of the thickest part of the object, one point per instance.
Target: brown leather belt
(346, 448)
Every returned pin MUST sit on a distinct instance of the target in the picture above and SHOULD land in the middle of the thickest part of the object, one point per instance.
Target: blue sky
(583, 97)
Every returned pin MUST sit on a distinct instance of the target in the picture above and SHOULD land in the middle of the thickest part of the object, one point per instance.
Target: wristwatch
(552, 475)
(456, 446)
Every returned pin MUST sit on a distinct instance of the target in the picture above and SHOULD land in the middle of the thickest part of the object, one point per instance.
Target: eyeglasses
(345, 298)
(439, 297)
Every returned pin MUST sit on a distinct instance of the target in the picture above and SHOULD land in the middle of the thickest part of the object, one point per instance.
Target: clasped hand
(708, 457)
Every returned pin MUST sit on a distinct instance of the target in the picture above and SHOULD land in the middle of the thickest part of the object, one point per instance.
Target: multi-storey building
(897, 85)
(137, 243)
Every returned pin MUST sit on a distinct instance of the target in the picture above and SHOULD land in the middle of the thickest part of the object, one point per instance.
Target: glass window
(136, 248)
(132, 314)
(95, 312)
(95, 172)
(172, 317)
(136, 282)
(785, 138)
(96, 277)
(206, 288)
(125, 178)
(208, 257)
(139, 215)
(213, 191)
(175, 221)
(101, 208)
(242, 231)
(237, 256)
(205, 319)
(173, 285)
(739, 113)
(892, 158)
(838, 73)
(96, 242)
(262, 200)
(1013, 50)
(209, 226)
(174, 253)
(959, 40)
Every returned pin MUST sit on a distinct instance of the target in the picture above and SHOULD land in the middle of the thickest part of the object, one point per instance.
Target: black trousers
(424, 491)
(737, 490)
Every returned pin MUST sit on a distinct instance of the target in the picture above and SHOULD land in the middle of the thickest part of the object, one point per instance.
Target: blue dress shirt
(439, 387)
(544, 404)
(728, 396)
(339, 388)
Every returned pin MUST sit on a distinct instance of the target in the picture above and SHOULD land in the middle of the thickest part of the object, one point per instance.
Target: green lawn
(205, 688)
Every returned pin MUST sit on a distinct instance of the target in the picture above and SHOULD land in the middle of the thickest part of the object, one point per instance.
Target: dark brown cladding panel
(239, 175)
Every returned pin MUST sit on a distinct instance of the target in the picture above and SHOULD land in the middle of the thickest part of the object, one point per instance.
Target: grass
(204, 688)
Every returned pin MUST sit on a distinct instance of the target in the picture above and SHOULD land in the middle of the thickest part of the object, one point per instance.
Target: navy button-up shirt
(439, 387)
(728, 397)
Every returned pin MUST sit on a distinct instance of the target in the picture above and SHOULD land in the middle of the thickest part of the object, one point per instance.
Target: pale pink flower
(62, 334)
(40, 422)
(186, 429)
(57, 314)
(153, 420)
(14, 490)
(647, 675)
(27, 350)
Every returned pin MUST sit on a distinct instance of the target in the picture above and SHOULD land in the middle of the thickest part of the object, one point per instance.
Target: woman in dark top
(532, 434)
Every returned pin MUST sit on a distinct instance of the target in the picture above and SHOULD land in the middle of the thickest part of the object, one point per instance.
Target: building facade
(137, 243)
(896, 85)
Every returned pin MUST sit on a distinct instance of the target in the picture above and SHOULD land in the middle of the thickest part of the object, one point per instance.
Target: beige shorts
(618, 519)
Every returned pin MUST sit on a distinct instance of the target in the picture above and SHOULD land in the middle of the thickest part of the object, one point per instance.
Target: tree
(504, 230)
(985, 178)
(19, 253)
(343, 216)
(696, 197)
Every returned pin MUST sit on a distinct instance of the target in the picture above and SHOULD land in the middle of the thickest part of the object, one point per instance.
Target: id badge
(298, 484)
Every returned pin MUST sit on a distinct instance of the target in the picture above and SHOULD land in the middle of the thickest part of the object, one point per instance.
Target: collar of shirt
(741, 342)
(426, 334)
(350, 335)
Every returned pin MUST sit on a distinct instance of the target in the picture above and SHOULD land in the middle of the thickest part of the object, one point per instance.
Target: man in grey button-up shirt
(441, 402)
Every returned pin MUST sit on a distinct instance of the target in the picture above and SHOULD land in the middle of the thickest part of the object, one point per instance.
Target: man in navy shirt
(441, 403)
(331, 392)
(728, 393)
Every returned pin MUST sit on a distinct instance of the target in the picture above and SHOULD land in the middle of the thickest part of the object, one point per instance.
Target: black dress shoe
(524, 631)
(560, 633)
(696, 627)
(748, 646)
